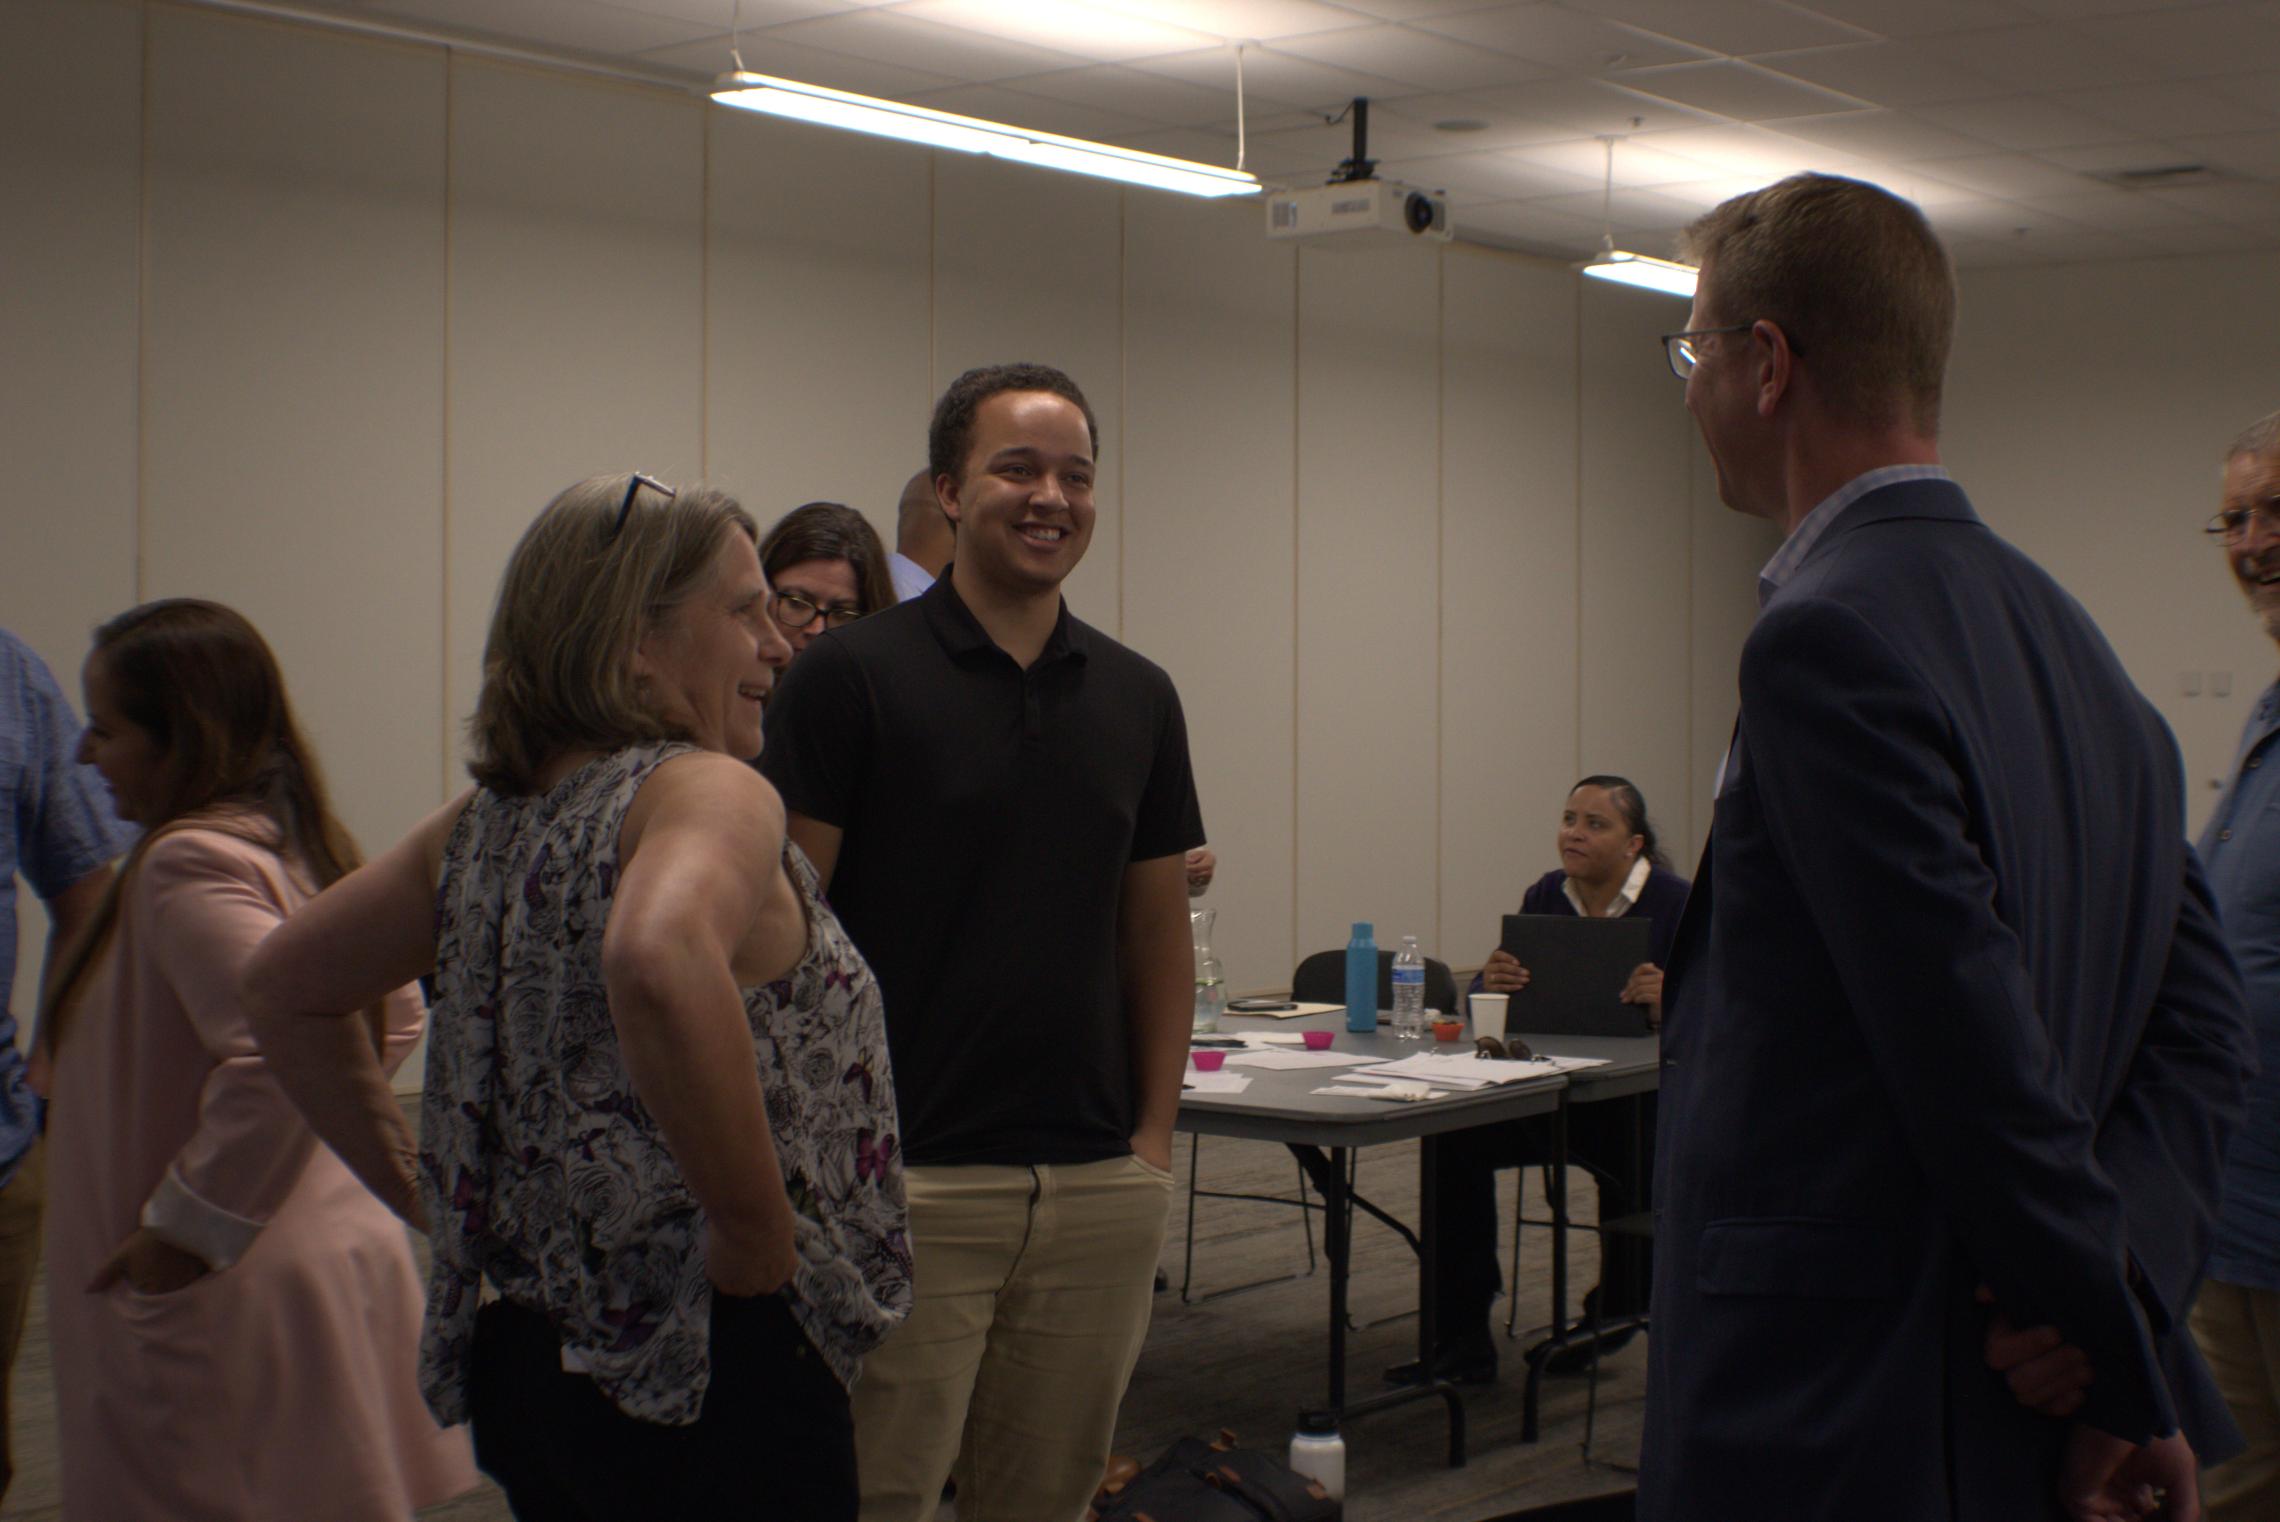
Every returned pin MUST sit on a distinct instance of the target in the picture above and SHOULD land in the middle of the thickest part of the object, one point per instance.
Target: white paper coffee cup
(1488, 1014)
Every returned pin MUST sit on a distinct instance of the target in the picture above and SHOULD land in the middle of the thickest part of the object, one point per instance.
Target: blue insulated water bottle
(1361, 979)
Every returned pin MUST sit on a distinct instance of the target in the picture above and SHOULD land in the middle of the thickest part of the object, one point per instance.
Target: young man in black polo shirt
(1000, 801)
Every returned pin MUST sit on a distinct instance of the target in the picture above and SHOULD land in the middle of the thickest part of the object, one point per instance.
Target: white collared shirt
(1624, 898)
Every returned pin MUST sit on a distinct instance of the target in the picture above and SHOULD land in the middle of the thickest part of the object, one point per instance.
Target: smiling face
(1596, 846)
(1023, 501)
(130, 760)
(708, 664)
(2252, 486)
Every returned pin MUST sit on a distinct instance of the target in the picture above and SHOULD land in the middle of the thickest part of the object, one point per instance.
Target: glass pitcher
(1210, 974)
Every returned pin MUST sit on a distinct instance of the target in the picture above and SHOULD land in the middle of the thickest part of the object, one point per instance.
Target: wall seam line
(142, 320)
(443, 495)
(1297, 603)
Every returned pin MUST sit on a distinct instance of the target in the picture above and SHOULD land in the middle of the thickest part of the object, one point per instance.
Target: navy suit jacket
(1948, 1008)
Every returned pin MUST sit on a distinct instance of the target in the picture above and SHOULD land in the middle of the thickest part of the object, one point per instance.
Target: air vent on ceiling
(2157, 176)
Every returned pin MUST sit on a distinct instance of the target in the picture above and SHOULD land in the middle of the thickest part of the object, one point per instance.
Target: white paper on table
(1221, 1082)
(1279, 1061)
(1273, 1038)
(1390, 1089)
(1472, 1073)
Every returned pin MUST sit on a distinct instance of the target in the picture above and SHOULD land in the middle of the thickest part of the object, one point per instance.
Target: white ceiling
(1997, 116)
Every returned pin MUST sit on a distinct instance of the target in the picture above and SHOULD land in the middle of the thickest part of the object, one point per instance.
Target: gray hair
(595, 571)
(2259, 438)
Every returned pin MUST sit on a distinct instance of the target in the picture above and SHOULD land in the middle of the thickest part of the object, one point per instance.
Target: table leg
(1557, 1188)
(1327, 1169)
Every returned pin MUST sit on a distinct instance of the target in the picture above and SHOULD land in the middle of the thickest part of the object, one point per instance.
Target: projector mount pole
(1361, 166)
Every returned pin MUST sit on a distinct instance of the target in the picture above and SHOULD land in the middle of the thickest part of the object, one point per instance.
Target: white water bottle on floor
(1409, 991)
(1319, 1453)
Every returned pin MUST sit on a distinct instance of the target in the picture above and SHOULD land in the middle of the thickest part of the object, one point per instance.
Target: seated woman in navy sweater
(1609, 865)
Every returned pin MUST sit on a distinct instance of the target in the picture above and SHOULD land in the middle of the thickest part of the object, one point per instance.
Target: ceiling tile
(1730, 27)
(2122, 211)
(1534, 226)
(1014, 108)
(583, 26)
(2023, 122)
(1500, 126)
(2252, 206)
(1275, 76)
(2009, 175)
(1168, 102)
(789, 60)
(721, 15)
(1245, 20)
(2078, 10)
(1490, 176)
(2211, 238)
(1756, 155)
(1921, 18)
(2253, 154)
(1067, 26)
(1634, 166)
(2105, 158)
(1419, 59)
(1898, 74)
(2166, 110)
(2196, 42)
(1742, 91)
(1890, 137)
(1592, 107)
(913, 44)
(1567, 40)
(2261, 91)
(1998, 220)
(2044, 57)
(1656, 213)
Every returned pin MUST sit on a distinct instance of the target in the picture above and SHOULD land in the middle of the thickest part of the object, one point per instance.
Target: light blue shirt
(56, 826)
(1824, 515)
(2241, 849)
(909, 576)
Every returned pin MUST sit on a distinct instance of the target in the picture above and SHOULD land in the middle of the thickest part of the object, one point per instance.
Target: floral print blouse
(544, 1173)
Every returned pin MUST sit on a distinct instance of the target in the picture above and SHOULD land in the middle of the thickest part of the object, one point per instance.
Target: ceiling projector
(1360, 212)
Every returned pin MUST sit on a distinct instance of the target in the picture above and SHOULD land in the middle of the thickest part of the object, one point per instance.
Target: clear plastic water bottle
(1409, 991)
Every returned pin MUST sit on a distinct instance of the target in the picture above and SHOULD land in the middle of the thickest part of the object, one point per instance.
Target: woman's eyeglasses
(795, 613)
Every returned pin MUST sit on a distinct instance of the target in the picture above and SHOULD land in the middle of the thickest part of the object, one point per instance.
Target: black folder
(1576, 971)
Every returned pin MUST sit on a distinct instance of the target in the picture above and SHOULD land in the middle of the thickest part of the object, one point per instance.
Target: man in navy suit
(1951, 1043)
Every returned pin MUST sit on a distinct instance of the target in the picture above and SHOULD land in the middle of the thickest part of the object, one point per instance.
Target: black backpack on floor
(1195, 1481)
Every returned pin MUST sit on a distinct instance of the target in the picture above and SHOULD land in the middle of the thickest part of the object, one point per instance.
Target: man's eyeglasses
(794, 612)
(1684, 353)
(2232, 524)
(633, 488)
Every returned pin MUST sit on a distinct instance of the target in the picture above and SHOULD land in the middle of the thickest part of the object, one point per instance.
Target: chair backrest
(1321, 979)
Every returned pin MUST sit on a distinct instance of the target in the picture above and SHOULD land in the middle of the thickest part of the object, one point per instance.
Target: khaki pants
(20, 1205)
(1033, 1294)
(2239, 1333)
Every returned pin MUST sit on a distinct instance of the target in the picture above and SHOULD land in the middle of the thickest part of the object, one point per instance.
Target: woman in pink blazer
(235, 1318)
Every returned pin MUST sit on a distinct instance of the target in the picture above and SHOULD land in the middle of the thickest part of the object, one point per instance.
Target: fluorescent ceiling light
(1642, 270)
(967, 134)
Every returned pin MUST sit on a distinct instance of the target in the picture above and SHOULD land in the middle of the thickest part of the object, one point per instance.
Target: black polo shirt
(989, 814)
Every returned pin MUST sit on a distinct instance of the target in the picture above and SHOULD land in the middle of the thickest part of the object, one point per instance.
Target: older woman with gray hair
(658, 1145)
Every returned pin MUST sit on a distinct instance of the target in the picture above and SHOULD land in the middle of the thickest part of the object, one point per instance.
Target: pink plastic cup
(1317, 1041)
(1207, 1062)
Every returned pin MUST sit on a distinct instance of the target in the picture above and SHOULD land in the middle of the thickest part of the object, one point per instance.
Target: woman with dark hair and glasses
(1610, 865)
(235, 1318)
(828, 567)
(659, 1145)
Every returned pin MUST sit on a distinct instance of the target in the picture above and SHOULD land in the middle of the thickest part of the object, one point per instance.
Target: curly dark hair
(951, 434)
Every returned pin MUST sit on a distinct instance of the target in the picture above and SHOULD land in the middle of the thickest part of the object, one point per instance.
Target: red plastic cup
(1317, 1041)
(1207, 1062)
